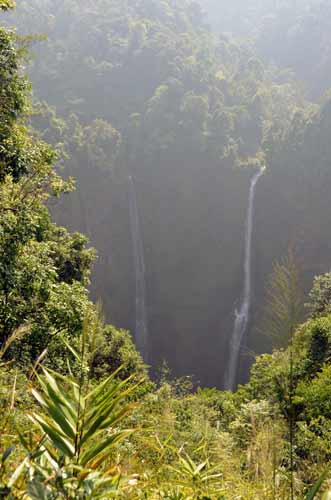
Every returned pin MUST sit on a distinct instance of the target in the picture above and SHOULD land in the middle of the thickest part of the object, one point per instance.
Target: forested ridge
(181, 108)
(291, 35)
(179, 103)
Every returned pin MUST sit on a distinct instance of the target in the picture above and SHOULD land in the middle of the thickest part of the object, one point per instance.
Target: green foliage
(290, 34)
(316, 488)
(44, 269)
(200, 481)
(314, 395)
(284, 302)
(223, 403)
(117, 350)
(250, 419)
(262, 376)
(155, 95)
(320, 296)
(7, 4)
(75, 423)
(79, 425)
(143, 88)
(318, 332)
(13, 151)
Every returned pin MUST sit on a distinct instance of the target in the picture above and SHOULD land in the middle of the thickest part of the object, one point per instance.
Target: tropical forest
(165, 249)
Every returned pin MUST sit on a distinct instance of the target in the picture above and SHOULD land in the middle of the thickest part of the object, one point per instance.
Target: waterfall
(242, 316)
(140, 333)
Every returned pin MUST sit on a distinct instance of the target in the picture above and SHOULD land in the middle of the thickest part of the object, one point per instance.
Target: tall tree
(283, 309)
(44, 270)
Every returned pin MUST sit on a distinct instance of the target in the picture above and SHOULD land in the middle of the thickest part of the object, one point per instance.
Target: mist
(190, 100)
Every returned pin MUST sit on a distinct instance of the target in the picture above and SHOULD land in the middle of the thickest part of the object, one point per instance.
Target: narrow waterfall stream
(242, 316)
(140, 334)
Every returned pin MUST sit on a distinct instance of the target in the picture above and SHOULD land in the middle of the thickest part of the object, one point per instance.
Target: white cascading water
(140, 333)
(242, 316)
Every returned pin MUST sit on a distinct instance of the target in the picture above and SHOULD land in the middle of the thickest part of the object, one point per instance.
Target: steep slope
(180, 111)
(294, 35)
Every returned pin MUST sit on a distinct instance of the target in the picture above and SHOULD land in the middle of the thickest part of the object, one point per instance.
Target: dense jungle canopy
(146, 88)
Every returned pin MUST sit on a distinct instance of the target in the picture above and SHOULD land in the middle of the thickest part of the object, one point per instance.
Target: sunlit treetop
(7, 4)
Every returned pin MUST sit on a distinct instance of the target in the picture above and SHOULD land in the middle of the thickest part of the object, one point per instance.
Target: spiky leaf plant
(79, 427)
(80, 430)
(198, 480)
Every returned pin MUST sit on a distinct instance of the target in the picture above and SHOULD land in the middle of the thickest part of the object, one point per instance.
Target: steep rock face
(194, 270)
(193, 234)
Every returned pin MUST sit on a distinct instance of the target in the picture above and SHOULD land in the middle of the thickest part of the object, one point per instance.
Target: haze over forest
(148, 89)
(198, 136)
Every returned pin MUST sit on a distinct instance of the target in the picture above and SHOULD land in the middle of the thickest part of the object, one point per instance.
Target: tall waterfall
(242, 316)
(140, 333)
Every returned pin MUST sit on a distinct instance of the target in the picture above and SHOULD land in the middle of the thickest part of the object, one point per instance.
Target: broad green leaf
(93, 452)
(103, 422)
(59, 441)
(58, 417)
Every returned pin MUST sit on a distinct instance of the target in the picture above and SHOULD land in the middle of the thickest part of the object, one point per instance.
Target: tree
(44, 270)
(284, 301)
(7, 4)
(283, 314)
(320, 296)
